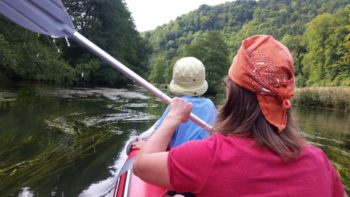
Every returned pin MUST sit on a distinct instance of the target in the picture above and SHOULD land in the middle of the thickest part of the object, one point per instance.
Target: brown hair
(241, 115)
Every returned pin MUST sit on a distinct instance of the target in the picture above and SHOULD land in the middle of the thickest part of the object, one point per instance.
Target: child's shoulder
(195, 100)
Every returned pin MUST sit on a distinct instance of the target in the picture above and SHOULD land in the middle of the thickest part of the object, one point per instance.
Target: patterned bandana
(265, 66)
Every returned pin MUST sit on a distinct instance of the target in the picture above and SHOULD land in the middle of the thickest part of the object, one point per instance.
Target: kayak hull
(129, 185)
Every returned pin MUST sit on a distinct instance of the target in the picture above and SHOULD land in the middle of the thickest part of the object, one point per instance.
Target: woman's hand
(138, 144)
(180, 110)
(151, 162)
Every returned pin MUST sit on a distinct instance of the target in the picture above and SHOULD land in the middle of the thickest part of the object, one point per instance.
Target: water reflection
(60, 141)
(330, 131)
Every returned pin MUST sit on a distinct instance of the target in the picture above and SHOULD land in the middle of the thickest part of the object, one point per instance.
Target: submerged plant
(54, 159)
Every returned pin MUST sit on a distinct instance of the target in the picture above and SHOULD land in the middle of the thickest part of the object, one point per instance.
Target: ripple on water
(314, 137)
(109, 93)
(139, 105)
(132, 116)
(117, 132)
(127, 105)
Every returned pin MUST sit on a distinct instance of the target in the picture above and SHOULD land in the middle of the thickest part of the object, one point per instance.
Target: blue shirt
(201, 107)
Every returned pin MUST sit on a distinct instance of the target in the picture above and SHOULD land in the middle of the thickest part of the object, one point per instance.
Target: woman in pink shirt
(256, 149)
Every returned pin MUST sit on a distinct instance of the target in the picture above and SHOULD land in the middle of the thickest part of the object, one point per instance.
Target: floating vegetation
(109, 93)
(7, 96)
(7, 99)
(128, 106)
(8, 154)
(49, 163)
(53, 137)
(138, 105)
(107, 119)
(61, 124)
(315, 136)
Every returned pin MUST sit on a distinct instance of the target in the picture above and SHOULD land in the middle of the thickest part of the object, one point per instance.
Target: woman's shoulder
(220, 143)
(313, 151)
(232, 139)
(217, 144)
(208, 145)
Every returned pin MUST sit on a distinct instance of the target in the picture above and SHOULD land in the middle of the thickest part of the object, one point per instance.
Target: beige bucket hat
(188, 77)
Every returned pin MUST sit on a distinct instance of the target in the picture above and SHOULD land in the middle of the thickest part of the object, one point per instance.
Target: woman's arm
(151, 162)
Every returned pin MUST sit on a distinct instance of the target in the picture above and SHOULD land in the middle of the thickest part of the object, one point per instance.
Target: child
(189, 83)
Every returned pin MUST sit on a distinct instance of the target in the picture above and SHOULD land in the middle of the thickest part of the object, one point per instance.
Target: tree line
(316, 31)
(27, 56)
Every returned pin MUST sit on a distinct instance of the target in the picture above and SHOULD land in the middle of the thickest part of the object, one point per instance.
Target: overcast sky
(148, 14)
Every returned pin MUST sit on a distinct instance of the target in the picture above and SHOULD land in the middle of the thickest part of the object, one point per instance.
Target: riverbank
(330, 98)
(334, 98)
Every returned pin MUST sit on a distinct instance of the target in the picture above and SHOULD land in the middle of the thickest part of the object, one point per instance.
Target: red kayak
(129, 185)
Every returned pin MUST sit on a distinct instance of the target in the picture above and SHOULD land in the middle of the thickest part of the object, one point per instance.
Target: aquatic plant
(54, 159)
(336, 98)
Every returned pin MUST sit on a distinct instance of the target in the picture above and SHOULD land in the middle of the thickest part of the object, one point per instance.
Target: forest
(316, 31)
(30, 57)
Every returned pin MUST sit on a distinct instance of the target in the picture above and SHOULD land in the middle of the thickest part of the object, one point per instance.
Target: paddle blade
(43, 16)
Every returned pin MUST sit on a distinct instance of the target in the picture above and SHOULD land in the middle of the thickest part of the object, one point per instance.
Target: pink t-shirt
(234, 166)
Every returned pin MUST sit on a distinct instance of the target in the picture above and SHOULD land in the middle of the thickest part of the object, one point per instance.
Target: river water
(69, 142)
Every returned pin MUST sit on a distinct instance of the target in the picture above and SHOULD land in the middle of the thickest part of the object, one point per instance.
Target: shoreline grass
(333, 98)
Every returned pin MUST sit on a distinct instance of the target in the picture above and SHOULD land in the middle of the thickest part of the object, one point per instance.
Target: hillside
(316, 31)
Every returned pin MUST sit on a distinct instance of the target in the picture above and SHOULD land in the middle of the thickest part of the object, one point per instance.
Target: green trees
(327, 38)
(108, 24)
(296, 46)
(212, 50)
(315, 31)
(26, 56)
(8, 60)
(316, 36)
(209, 47)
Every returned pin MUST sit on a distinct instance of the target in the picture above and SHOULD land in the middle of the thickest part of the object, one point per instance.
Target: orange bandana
(265, 66)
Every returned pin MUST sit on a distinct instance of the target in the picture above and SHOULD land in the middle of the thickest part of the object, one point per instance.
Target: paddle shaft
(132, 75)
